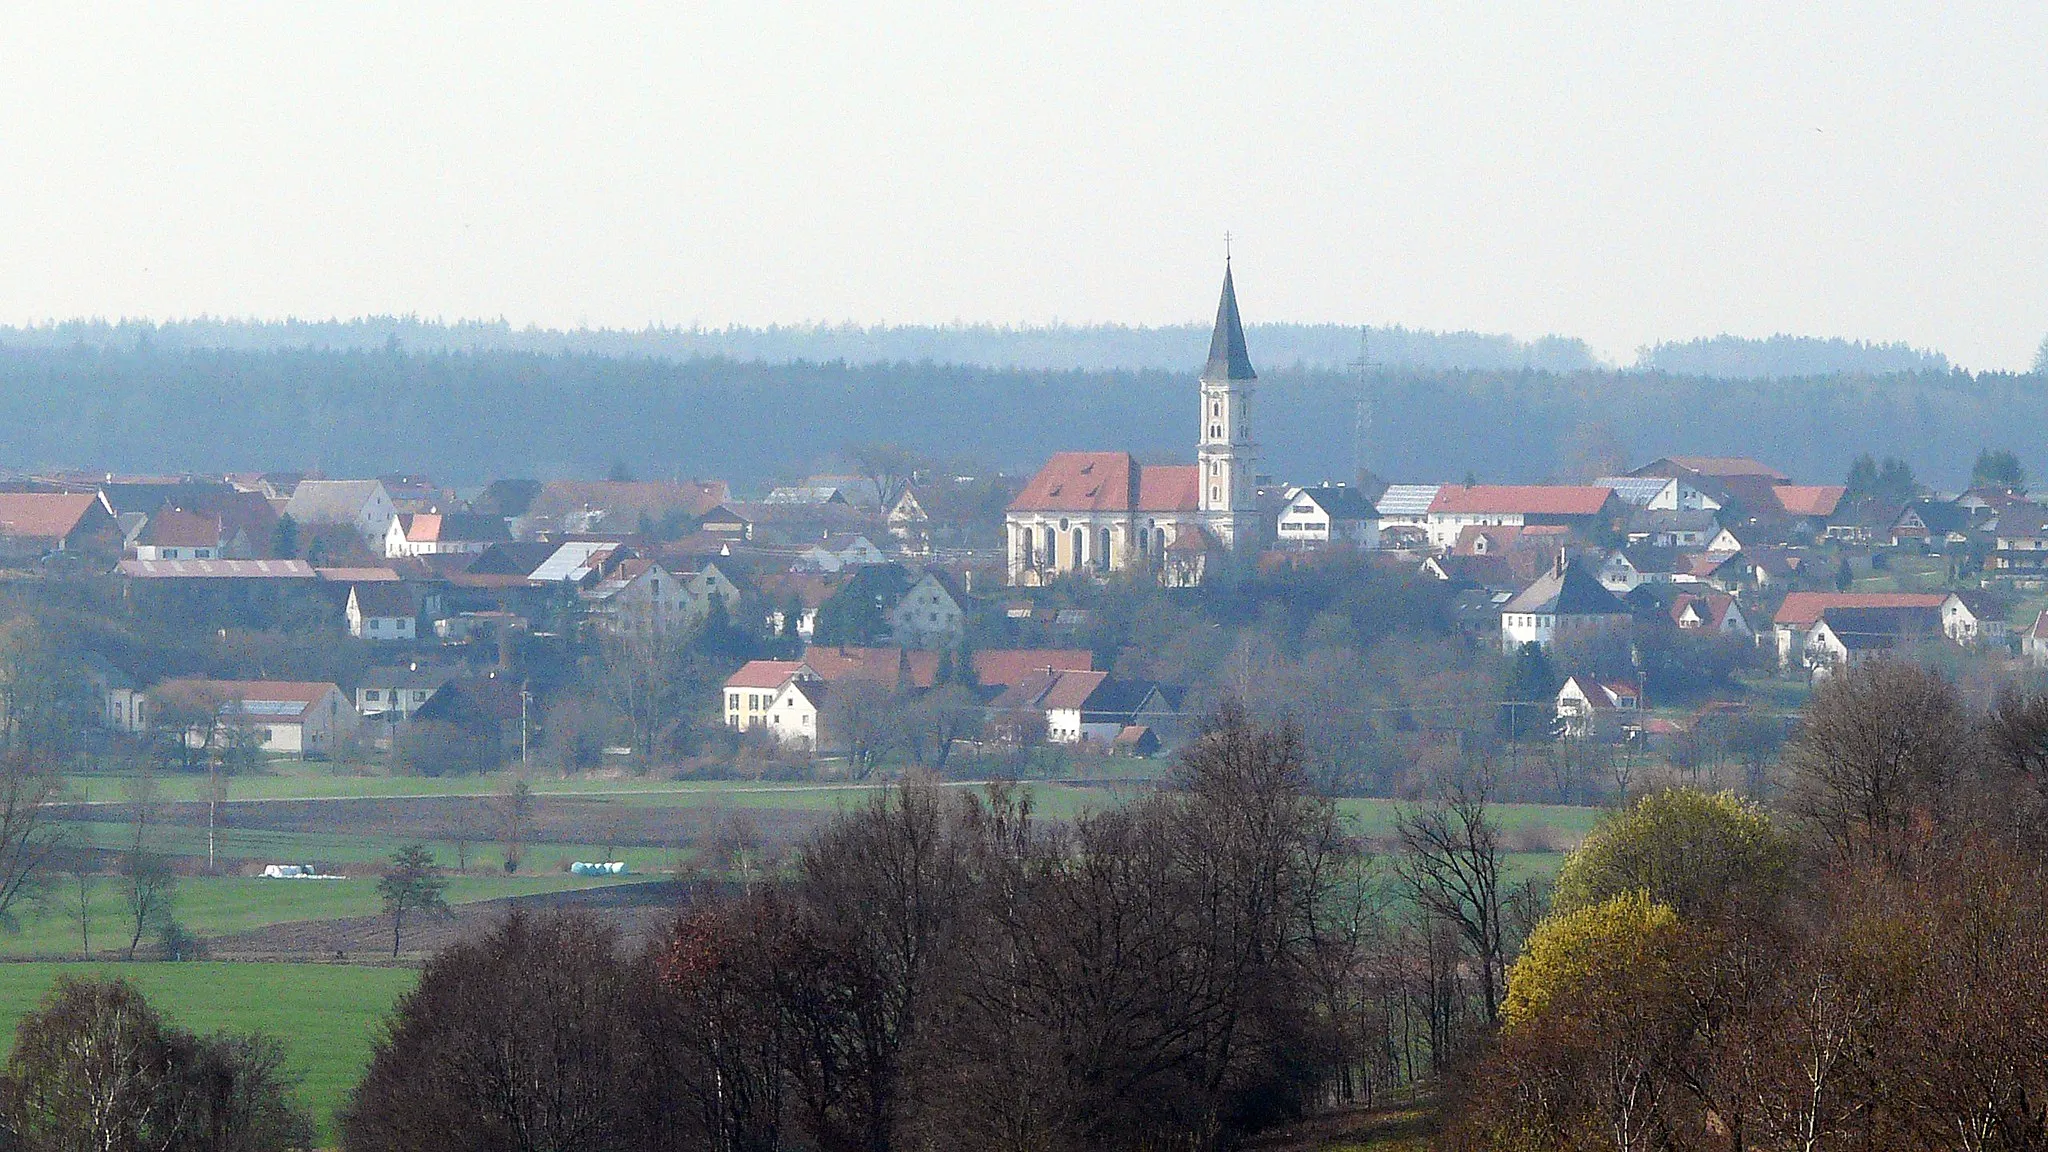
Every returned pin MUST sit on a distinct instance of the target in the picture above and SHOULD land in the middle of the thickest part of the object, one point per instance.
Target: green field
(326, 1015)
(218, 906)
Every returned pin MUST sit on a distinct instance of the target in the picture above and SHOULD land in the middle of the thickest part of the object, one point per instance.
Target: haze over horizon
(1594, 170)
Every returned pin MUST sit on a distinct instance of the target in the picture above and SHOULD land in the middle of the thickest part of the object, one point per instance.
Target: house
(1582, 508)
(1088, 707)
(443, 533)
(638, 596)
(751, 691)
(1930, 523)
(796, 715)
(837, 553)
(1590, 709)
(1660, 493)
(396, 691)
(2034, 645)
(908, 522)
(930, 614)
(1665, 528)
(1969, 618)
(1005, 667)
(793, 600)
(1809, 508)
(175, 534)
(1136, 740)
(37, 526)
(1845, 637)
(1331, 514)
(726, 524)
(123, 708)
(363, 505)
(1712, 612)
(382, 611)
(2020, 541)
(490, 710)
(284, 717)
(1566, 603)
(1800, 612)
(1626, 569)
(247, 519)
(1405, 505)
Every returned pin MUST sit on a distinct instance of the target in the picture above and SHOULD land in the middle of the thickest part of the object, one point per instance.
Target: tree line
(1861, 968)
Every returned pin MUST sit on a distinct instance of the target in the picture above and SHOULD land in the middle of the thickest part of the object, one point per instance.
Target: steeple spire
(1228, 359)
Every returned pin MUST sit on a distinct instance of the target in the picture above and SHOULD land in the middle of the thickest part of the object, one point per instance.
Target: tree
(1862, 478)
(95, 1067)
(284, 538)
(1875, 768)
(539, 1037)
(28, 838)
(151, 890)
(2041, 358)
(863, 720)
(1998, 468)
(81, 907)
(1451, 864)
(1845, 577)
(888, 466)
(515, 807)
(411, 884)
(1577, 944)
(1700, 853)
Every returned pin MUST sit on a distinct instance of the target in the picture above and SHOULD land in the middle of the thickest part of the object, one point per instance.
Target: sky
(1625, 172)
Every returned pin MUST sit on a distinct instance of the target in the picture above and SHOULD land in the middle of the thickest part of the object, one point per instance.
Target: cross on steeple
(1226, 247)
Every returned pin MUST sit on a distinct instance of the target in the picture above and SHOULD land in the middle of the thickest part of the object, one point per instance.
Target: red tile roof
(1809, 499)
(1803, 609)
(873, 664)
(763, 674)
(1527, 499)
(295, 696)
(1169, 488)
(43, 515)
(1079, 482)
(1009, 667)
(177, 528)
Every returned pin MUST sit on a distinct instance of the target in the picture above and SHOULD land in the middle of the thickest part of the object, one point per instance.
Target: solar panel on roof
(273, 707)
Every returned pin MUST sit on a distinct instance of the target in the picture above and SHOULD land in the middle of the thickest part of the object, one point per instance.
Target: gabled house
(1660, 493)
(838, 553)
(1590, 709)
(1586, 509)
(175, 534)
(292, 718)
(2034, 645)
(751, 692)
(1808, 509)
(930, 614)
(726, 524)
(1327, 515)
(382, 611)
(396, 691)
(1929, 522)
(1088, 707)
(443, 533)
(1662, 528)
(1568, 602)
(1845, 637)
(2020, 540)
(38, 526)
(1713, 612)
(1800, 612)
(363, 505)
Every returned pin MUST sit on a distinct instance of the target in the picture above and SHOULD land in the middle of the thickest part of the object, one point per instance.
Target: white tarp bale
(606, 868)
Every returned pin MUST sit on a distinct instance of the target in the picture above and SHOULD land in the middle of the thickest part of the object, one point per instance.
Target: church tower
(1226, 455)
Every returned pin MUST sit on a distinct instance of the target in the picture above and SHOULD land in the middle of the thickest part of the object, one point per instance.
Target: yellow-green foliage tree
(1701, 853)
(1626, 937)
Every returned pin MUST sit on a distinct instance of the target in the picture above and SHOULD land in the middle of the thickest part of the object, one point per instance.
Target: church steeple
(1228, 359)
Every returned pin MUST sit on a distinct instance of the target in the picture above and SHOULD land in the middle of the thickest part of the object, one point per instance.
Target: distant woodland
(468, 417)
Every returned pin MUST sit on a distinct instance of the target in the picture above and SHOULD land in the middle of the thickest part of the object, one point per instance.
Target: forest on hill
(468, 417)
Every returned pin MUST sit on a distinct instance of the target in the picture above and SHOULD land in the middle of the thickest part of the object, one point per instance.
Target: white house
(443, 534)
(750, 693)
(1589, 709)
(1715, 612)
(1405, 504)
(175, 534)
(929, 615)
(1457, 507)
(1565, 603)
(293, 718)
(837, 553)
(397, 690)
(382, 611)
(361, 504)
(2034, 645)
(1660, 493)
(797, 714)
(1332, 514)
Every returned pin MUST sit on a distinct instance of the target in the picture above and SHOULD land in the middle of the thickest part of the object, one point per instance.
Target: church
(1103, 512)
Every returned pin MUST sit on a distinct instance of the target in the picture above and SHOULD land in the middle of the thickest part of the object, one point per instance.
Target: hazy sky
(1623, 172)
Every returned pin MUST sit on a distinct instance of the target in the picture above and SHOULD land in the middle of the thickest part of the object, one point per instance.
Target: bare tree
(81, 906)
(515, 808)
(1451, 863)
(410, 885)
(151, 888)
(28, 838)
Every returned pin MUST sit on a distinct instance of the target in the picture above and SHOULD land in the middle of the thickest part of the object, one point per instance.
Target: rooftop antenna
(1361, 417)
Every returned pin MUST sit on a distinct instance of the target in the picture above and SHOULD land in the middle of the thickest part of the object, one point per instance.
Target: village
(809, 625)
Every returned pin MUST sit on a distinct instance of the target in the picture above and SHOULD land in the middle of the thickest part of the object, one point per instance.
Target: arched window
(1080, 548)
(1025, 558)
(1102, 552)
(1159, 541)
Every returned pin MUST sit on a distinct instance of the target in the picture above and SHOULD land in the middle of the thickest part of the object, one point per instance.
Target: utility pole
(524, 697)
(1361, 420)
